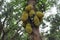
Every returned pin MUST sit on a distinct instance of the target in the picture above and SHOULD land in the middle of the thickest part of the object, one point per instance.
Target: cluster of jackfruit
(30, 13)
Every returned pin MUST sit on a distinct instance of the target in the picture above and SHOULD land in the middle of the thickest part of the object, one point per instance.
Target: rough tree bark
(35, 34)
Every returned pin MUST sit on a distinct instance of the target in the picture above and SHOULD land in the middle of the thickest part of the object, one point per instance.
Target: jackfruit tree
(33, 18)
(20, 19)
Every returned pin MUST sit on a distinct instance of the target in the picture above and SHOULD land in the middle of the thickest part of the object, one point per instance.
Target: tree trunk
(35, 34)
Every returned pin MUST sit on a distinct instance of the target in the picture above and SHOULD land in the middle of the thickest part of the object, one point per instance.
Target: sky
(7, 0)
(52, 10)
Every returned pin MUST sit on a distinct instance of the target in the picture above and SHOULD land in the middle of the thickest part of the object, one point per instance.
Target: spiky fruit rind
(28, 28)
(24, 16)
(39, 14)
(36, 21)
(28, 7)
(31, 13)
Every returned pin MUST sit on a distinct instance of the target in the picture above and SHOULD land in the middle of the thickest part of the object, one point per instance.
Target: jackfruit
(28, 7)
(31, 13)
(36, 20)
(24, 16)
(28, 28)
(39, 14)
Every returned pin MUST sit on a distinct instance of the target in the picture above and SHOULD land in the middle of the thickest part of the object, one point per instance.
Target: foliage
(55, 27)
(11, 19)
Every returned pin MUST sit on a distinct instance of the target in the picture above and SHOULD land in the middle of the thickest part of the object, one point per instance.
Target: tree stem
(35, 34)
